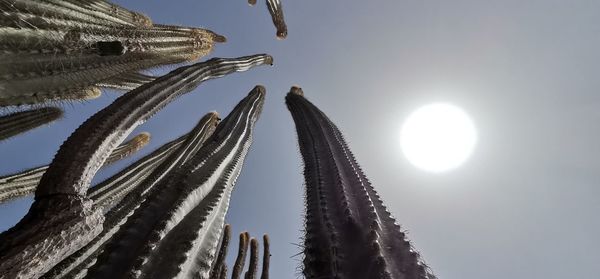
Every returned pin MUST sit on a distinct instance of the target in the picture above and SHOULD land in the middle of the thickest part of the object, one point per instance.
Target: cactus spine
(349, 232)
(24, 183)
(23, 121)
(183, 216)
(276, 12)
(60, 209)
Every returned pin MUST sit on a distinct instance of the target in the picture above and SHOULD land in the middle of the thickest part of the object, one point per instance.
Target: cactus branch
(23, 121)
(276, 12)
(220, 263)
(253, 264)
(240, 260)
(126, 81)
(266, 257)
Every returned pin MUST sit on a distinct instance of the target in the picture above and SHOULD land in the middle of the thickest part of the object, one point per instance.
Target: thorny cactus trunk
(61, 220)
(183, 216)
(349, 232)
(20, 122)
(60, 50)
(24, 183)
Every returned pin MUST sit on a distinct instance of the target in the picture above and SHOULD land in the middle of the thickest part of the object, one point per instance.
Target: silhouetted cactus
(126, 81)
(24, 183)
(253, 264)
(61, 220)
(23, 121)
(276, 11)
(45, 59)
(266, 257)
(240, 260)
(220, 263)
(183, 216)
(349, 232)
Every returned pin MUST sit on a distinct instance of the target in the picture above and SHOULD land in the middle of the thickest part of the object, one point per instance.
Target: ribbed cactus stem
(266, 257)
(23, 121)
(24, 183)
(126, 81)
(129, 147)
(220, 263)
(60, 200)
(183, 216)
(240, 260)
(78, 263)
(349, 232)
(276, 12)
(253, 264)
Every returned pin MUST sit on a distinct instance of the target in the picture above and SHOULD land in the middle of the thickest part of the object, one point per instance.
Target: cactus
(349, 232)
(253, 265)
(78, 263)
(240, 260)
(251, 2)
(276, 12)
(60, 210)
(220, 264)
(23, 121)
(24, 183)
(126, 149)
(126, 81)
(266, 257)
(44, 59)
(183, 216)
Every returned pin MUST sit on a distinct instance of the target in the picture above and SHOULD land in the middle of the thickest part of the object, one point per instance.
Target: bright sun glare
(438, 137)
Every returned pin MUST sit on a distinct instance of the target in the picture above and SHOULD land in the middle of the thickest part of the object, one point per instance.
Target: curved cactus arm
(23, 121)
(184, 214)
(266, 257)
(276, 12)
(128, 148)
(127, 81)
(60, 200)
(253, 264)
(350, 233)
(24, 183)
(220, 263)
(240, 260)
(76, 265)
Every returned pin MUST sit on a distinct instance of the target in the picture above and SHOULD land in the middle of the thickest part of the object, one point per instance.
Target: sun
(438, 137)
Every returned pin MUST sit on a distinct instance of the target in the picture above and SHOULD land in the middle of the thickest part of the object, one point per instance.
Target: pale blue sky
(524, 206)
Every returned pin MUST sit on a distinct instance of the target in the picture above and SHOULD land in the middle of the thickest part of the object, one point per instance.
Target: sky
(523, 206)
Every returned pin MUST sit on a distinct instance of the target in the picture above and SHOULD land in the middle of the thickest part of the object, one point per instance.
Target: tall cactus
(62, 220)
(43, 60)
(23, 121)
(349, 232)
(24, 183)
(183, 216)
(77, 264)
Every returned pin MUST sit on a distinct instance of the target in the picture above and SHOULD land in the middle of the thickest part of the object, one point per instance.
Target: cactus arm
(127, 148)
(266, 257)
(127, 81)
(350, 233)
(219, 263)
(24, 183)
(276, 12)
(240, 260)
(171, 215)
(253, 264)
(23, 121)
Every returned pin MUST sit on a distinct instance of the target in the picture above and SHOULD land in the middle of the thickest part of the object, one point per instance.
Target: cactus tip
(281, 34)
(297, 90)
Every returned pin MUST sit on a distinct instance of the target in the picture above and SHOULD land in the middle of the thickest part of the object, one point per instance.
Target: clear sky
(524, 205)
